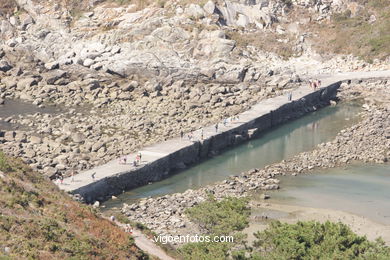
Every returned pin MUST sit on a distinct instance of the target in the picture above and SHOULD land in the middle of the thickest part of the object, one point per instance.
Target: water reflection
(280, 143)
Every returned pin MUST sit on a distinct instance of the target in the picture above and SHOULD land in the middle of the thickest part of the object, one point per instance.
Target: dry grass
(37, 221)
(356, 35)
(7, 6)
(266, 41)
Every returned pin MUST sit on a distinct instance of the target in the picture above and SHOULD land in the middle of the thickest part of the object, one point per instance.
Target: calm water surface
(275, 145)
(361, 189)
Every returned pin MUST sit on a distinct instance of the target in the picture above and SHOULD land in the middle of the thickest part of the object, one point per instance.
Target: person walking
(61, 178)
(181, 135)
(72, 174)
(289, 96)
(93, 176)
(216, 127)
(139, 157)
(201, 134)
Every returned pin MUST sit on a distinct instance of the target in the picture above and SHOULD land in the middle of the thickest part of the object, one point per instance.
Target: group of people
(315, 83)
(59, 177)
(136, 162)
(190, 135)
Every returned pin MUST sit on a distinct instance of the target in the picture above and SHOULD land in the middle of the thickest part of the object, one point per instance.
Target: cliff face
(136, 73)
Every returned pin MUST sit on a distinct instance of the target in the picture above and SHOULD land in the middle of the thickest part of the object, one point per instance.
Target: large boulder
(9, 82)
(78, 138)
(26, 83)
(52, 76)
(4, 66)
(194, 11)
(209, 7)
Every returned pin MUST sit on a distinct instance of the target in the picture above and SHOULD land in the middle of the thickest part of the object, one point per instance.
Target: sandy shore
(291, 214)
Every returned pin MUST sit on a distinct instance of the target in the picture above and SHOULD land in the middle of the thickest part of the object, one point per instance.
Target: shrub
(221, 217)
(314, 240)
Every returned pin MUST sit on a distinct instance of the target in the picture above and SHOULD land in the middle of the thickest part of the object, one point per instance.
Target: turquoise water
(275, 145)
(361, 189)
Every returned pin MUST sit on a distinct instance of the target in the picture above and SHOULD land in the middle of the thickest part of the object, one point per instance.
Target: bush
(221, 217)
(4, 165)
(314, 240)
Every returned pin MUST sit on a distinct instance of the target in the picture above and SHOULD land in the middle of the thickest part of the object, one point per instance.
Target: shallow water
(360, 189)
(18, 107)
(275, 145)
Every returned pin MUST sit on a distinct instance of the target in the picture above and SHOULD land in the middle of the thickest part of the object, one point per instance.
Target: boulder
(209, 7)
(35, 140)
(26, 83)
(194, 11)
(52, 65)
(9, 82)
(129, 86)
(9, 136)
(4, 66)
(88, 62)
(52, 76)
(78, 138)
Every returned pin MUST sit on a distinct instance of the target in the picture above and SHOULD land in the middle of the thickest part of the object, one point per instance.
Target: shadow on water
(274, 145)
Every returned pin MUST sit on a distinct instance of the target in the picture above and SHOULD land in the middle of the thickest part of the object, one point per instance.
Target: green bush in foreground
(280, 241)
(218, 218)
(221, 217)
(314, 240)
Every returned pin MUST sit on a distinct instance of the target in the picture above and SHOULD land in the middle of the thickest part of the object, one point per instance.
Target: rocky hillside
(37, 221)
(130, 73)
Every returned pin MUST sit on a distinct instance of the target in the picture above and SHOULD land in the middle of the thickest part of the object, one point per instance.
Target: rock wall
(201, 150)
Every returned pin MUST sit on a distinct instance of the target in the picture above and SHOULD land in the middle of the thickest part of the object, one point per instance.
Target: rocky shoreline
(126, 77)
(366, 141)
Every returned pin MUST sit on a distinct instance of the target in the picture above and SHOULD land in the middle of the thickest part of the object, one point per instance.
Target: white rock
(209, 7)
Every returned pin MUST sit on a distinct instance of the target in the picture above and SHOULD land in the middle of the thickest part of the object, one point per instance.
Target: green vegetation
(37, 221)
(313, 240)
(221, 217)
(280, 241)
(224, 217)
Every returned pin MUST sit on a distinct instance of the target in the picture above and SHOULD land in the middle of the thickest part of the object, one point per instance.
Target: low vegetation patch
(221, 217)
(7, 6)
(312, 240)
(364, 34)
(38, 221)
(225, 217)
(303, 240)
(281, 45)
